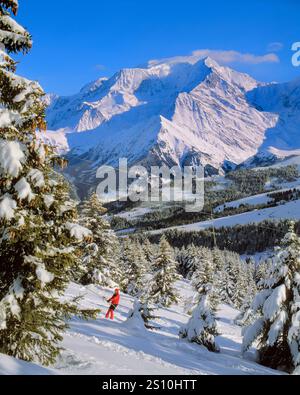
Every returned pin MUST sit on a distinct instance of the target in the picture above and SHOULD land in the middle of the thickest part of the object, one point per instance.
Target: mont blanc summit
(176, 111)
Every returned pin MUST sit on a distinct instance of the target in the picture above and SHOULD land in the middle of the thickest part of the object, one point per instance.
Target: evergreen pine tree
(140, 316)
(99, 262)
(277, 329)
(148, 253)
(228, 280)
(161, 290)
(38, 229)
(142, 310)
(243, 282)
(220, 276)
(222, 285)
(194, 259)
(116, 264)
(148, 316)
(246, 317)
(261, 271)
(134, 268)
(182, 258)
(184, 261)
(205, 275)
(218, 259)
(202, 327)
(126, 257)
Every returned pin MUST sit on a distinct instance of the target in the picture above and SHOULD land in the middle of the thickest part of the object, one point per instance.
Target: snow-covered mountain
(175, 111)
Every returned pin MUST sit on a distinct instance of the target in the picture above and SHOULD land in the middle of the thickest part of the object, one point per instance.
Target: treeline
(242, 239)
(285, 196)
(254, 181)
(243, 183)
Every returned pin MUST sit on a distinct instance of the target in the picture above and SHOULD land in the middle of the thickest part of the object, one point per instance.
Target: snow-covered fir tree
(115, 262)
(189, 259)
(262, 269)
(205, 274)
(183, 260)
(162, 286)
(232, 279)
(244, 284)
(218, 259)
(194, 255)
(134, 268)
(126, 257)
(250, 289)
(142, 313)
(149, 253)
(202, 326)
(226, 284)
(277, 329)
(38, 229)
(99, 263)
(139, 318)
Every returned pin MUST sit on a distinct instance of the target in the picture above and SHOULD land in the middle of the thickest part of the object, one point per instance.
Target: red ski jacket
(115, 299)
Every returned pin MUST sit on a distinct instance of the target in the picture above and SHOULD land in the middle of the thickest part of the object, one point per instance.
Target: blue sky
(77, 42)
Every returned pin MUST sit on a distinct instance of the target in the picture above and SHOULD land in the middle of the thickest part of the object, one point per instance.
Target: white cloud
(227, 57)
(275, 47)
(223, 57)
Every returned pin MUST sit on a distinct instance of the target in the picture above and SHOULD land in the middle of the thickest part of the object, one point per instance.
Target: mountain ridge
(175, 112)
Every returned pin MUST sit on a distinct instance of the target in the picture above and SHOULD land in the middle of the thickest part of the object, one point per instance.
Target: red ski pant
(110, 312)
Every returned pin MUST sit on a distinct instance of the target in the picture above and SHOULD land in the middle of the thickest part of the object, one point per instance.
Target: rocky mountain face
(179, 111)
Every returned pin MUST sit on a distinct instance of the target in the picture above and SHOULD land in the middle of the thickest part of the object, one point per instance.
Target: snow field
(104, 347)
(114, 347)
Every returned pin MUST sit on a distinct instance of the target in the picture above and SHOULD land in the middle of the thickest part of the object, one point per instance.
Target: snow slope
(11, 366)
(103, 347)
(293, 160)
(135, 213)
(251, 201)
(289, 210)
(117, 347)
(255, 200)
(182, 110)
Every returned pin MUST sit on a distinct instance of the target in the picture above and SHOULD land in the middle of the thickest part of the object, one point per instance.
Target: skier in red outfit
(114, 300)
